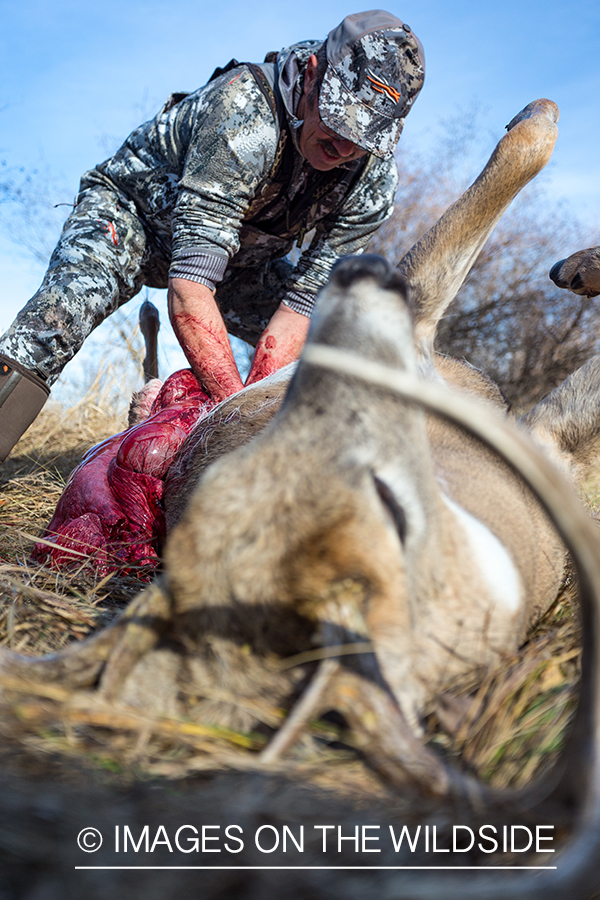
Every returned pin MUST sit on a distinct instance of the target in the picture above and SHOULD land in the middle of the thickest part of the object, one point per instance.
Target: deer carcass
(349, 524)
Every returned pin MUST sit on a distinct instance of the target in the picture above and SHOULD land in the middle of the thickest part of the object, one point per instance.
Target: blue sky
(76, 77)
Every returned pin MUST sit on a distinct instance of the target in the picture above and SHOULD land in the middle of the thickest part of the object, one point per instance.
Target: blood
(265, 367)
(111, 509)
(208, 351)
(266, 362)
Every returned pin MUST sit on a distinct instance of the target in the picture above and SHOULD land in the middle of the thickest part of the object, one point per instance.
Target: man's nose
(343, 146)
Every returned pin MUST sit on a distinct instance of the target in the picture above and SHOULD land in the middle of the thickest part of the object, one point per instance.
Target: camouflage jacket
(201, 176)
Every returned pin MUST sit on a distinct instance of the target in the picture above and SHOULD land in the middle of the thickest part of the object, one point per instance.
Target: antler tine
(149, 326)
(77, 666)
(119, 644)
(440, 261)
(578, 862)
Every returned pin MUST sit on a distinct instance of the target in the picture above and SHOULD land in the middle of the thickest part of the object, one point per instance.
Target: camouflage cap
(375, 70)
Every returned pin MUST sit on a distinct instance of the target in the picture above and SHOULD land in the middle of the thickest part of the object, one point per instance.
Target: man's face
(320, 146)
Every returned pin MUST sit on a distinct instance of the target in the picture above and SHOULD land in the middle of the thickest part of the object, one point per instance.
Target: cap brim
(345, 114)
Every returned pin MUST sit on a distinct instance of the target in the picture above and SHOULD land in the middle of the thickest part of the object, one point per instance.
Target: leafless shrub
(33, 206)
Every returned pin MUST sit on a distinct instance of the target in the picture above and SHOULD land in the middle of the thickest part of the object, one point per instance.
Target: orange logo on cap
(382, 88)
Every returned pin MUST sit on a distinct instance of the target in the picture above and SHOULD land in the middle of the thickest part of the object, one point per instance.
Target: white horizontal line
(328, 868)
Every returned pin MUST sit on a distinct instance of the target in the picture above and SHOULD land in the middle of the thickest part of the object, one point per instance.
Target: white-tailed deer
(342, 521)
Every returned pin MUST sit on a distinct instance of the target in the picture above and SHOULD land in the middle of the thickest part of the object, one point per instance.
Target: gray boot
(22, 395)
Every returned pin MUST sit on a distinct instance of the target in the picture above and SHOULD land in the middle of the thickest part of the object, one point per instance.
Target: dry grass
(40, 610)
(510, 724)
(506, 725)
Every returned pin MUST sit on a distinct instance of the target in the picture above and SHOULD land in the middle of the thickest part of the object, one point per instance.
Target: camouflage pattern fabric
(359, 101)
(95, 268)
(190, 193)
(247, 298)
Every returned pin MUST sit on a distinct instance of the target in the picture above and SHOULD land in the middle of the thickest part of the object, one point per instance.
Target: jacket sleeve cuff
(300, 301)
(205, 268)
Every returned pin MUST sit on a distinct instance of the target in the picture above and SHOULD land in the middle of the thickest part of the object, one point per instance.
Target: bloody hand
(280, 343)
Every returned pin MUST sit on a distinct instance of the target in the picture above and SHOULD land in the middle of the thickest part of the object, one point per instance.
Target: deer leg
(149, 325)
(579, 273)
(437, 265)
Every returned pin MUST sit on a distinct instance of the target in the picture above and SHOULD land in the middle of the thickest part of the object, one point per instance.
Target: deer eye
(388, 499)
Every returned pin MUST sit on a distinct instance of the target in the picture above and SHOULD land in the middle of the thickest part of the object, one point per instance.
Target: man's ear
(310, 75)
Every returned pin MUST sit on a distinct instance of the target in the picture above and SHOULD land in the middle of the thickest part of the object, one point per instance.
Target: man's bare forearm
(280, 343)
(201, 331)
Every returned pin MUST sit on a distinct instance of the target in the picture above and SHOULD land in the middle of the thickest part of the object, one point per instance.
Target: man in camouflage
(208, 197)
